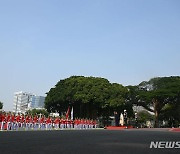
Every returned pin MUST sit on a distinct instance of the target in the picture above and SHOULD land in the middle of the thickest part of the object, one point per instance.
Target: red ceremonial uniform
(3, 117)
(18, 118)
(48, 120)
(0, 117)
(31, 119)
(42, 120)
(22, 119)
(78, 121)
(35, 119)
(63, 121)
(8, 118)
(13, 118)
(57, 121)
(27, 119)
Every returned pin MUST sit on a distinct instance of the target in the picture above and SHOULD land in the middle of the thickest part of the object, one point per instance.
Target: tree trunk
(156, 124)
(156, 111)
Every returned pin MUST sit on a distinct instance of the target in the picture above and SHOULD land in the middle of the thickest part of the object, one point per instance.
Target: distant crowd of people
(10, 121)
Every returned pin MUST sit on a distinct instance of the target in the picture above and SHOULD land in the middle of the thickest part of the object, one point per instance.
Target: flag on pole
(67, 113)
(72, 113)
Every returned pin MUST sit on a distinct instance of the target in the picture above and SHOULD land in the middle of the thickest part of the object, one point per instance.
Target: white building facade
(24, 101)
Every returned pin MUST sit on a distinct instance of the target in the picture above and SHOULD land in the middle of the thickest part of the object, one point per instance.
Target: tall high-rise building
(24, 101)
(37, 102)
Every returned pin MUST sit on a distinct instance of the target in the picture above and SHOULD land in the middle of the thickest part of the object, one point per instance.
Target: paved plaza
(128, 141)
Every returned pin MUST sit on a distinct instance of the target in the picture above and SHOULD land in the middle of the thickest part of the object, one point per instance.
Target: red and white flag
(67, 113)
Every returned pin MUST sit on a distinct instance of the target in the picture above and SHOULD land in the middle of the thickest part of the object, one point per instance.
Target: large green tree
(155, 94)
(90, 96)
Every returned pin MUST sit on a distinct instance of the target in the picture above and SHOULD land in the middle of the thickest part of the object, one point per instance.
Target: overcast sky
(125, 41)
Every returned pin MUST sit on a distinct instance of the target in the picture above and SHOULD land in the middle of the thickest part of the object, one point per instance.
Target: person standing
(63, 123)
(23, 124)
(82, 124)
(3, 117)
(95, 124)
(27, 122)
(42, 122)
(8, 120)
(79, 125)
(56, 123)
(18, 119)
(35, 122)
(76, 123)
(13, 121)
(117, 118)
(71, 123)
(30, 122)
(0, 119)
(48, 123)
(68, 123)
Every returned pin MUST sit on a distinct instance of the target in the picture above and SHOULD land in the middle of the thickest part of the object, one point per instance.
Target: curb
(174, 129)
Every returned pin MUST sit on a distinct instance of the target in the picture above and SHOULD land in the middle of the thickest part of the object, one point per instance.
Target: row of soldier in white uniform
(40, 122)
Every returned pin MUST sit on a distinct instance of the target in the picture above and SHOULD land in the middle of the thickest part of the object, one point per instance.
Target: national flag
(67, 113)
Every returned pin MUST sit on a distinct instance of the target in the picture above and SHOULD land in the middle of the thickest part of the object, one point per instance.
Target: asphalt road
(85, 141)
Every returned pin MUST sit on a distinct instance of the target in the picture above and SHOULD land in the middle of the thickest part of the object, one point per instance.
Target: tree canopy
(93, 97)
(90, 96)
(157, 93)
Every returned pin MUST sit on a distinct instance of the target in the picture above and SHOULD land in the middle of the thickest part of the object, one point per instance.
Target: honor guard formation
(12, 122)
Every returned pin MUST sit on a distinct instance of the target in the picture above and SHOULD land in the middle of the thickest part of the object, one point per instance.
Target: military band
(10, 121)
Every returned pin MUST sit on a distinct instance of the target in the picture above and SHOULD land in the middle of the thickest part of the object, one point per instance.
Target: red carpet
(117, 127)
